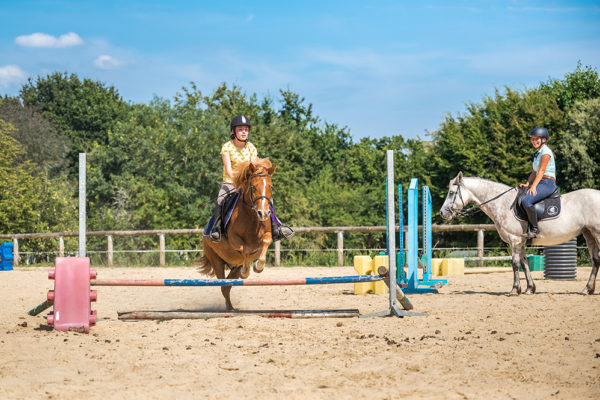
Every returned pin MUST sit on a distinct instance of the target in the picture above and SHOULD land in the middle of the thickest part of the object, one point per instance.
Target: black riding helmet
(239, 120)
(540, 131)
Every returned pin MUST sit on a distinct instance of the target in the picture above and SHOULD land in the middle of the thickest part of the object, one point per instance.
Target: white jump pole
(82, 215)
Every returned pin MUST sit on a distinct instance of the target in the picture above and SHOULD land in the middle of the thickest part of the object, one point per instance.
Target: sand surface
(475, 342)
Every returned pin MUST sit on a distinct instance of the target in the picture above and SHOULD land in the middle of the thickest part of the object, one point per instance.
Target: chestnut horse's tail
(205, 267)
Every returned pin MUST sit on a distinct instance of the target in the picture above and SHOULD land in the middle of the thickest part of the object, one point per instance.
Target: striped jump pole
(237, 282)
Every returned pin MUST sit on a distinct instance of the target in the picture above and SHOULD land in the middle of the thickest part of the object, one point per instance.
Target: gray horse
(580, 215)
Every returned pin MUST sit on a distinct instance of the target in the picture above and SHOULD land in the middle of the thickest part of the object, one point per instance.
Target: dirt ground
(474, 343)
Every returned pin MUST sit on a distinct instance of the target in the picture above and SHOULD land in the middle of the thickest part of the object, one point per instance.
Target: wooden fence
(339, 230)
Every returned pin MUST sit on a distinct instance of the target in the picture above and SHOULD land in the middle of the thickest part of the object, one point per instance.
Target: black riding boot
(215, 233)
(533, 222)
(279, 232)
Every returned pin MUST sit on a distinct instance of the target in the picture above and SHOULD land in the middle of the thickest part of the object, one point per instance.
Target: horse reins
(472, 210)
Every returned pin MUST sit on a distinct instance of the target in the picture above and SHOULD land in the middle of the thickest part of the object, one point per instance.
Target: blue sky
(381, 67)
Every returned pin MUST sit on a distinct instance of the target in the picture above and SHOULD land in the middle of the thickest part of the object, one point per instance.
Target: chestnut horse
(249, 230)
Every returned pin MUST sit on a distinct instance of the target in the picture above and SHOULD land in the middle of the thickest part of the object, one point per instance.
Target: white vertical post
(480, 246)
(61, 246)
(278, 253)
(16, 255)
(161, 245)
(110, 250)
(82, 202)
(340, 248)
(391, 228)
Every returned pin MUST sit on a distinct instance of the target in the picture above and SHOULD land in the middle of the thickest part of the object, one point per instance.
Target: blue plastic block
(6, 251)
(7, 265)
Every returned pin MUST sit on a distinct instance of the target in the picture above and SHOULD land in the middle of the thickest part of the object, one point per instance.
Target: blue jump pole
(237, 282)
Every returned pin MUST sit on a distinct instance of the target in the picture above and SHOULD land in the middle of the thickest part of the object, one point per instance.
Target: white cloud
(10, 74)
(44, 40)
(107, 62)
(250, 17)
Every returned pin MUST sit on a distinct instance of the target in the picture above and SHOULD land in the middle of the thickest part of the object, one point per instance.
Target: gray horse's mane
(486, 182)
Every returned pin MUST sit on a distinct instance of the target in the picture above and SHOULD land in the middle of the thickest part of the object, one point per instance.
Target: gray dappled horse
(580, 215)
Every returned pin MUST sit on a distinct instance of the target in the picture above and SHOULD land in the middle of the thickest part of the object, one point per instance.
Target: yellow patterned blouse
(237, 156)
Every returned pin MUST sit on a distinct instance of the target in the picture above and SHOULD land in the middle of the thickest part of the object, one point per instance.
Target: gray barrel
(560, 261)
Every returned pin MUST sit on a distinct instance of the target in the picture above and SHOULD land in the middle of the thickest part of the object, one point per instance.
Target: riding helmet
(540, 131)
(240, 120)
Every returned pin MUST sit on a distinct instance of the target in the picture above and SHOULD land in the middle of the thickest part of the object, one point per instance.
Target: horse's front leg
(516, 262)
(237, 243)
(245, 268)
(262, 258)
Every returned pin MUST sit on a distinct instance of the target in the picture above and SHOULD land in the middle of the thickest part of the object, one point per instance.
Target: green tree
(41, 143)
(581, 84)
(579, 147)
(83, 110)
(30, 202)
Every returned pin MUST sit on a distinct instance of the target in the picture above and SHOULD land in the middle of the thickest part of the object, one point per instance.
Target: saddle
(228, 205)
(548, 208)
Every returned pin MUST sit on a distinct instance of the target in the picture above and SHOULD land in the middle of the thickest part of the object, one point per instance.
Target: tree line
(157, 165)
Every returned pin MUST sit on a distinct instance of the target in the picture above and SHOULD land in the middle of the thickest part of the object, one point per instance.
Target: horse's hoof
(529, 292)
(515, 292)
(245, 273)
(588, 290)
(258, 267)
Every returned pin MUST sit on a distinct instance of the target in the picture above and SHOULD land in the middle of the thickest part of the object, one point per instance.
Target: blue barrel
(6, 256)
(560, 261)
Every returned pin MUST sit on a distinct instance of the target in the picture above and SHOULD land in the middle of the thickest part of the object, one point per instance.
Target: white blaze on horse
(580, 215)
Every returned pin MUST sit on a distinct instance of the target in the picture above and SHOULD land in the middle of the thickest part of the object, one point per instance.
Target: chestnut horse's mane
(243, 171)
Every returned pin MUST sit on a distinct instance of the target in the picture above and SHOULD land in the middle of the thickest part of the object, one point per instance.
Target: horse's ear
(251, 168)
(459, 177)
(271, 170)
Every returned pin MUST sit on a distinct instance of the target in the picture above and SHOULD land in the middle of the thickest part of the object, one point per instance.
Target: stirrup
(215, 235)
(282, 232)
(531, 234)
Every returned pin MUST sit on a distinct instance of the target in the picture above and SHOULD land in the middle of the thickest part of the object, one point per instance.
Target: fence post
(278, 253)
(16, 251)
(110, 250)
(61, 246)
(340, 248)
(161, 241)
(480, 247)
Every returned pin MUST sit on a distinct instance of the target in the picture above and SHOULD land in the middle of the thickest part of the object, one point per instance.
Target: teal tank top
(537, 159)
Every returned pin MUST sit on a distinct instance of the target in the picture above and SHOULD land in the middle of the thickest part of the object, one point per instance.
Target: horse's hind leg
(593, 244)
(226, 290)
(218, 267)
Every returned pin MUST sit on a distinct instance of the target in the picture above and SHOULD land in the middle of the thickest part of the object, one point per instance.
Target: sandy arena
(475, 343)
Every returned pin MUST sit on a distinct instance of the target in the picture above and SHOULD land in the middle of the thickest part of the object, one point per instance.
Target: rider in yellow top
(233, 152)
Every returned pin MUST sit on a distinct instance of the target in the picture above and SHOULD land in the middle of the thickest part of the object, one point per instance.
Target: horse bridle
(471, 210)
(251, 188)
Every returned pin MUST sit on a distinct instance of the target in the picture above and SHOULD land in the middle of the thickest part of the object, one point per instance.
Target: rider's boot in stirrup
(533, 230)
(215, 233)
(279, 232)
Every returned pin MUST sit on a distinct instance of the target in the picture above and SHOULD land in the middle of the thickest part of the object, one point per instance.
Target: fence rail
(339, 230)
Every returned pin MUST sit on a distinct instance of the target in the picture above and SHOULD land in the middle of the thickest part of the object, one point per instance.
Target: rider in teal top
(542, 180)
